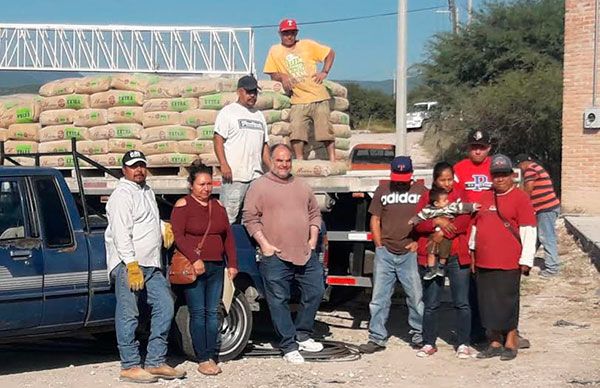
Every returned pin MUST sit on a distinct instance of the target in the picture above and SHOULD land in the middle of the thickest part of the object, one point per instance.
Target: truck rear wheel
(236, 328)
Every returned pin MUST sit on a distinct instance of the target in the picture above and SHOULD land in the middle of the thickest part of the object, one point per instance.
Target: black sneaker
(440, 271)
(430, 274)
(370, 347)
(508, 354)
(491, 352)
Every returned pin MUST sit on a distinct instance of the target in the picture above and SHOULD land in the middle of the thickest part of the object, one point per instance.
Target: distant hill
(12, 82)
(385, 86)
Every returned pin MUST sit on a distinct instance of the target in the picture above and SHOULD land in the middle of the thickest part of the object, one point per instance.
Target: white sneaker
(294, 357)
(310, 345)
(464, 352)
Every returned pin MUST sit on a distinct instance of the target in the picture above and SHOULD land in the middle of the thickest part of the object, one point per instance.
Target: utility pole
(469, 12)
(401, 148)
(453, 15)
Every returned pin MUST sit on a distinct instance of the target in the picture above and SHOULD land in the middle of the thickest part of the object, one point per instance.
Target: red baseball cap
(288, 25)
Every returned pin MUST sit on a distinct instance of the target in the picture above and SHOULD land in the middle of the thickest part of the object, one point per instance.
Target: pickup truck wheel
(235, 331)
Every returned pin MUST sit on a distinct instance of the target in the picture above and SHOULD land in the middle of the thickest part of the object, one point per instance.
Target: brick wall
(580, 148)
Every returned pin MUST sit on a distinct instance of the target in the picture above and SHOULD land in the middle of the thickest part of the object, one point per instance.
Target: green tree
(503, 73)
(370, 106)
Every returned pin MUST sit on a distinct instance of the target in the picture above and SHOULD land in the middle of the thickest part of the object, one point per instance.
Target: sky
(365, 49)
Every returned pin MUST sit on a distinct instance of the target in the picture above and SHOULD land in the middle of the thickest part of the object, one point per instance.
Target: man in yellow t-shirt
(294, 64)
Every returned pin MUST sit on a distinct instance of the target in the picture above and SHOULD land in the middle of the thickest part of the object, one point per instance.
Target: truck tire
(235, 332)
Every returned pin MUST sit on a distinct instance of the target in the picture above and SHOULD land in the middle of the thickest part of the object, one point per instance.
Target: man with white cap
(133, 242)
(294, 64)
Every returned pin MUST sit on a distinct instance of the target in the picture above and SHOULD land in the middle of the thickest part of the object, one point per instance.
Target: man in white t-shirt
(240, 141)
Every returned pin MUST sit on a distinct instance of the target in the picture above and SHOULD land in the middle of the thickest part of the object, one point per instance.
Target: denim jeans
(459, 277)
(547, 237)
(387, 269)
(278, 276)
(232, 197)
(203, 298)
(158, 294)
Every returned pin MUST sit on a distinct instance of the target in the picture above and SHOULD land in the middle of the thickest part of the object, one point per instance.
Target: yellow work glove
(167, 235)
(135, 276)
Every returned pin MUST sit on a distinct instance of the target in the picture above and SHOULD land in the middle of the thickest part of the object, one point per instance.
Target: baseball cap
(248, 82)
(401, 169)
(501, 164)
(479, 136)
(132, 157)
(522, 158)
(288, 25)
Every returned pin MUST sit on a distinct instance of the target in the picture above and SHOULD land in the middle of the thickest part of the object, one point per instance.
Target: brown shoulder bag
(182, 270)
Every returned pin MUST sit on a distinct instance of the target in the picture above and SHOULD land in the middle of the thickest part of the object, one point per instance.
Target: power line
(350, 18)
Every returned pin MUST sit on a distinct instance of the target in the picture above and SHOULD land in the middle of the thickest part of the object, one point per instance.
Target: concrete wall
(580, 148)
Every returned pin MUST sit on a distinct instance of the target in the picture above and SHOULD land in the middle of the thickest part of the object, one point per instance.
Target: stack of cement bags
(19, 126)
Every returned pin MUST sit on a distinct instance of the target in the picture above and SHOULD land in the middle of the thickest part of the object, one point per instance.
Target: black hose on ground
(333, 351)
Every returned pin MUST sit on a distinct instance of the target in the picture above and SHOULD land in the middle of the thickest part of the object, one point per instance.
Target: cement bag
(280, 101)
(123, 114)
(280, 128)
(86, 147)
(134, 82)
(275, 139)
(63, 132)
(165, 88)
(338, 103)
(335, 89)
(271, 115)
(285, 114)
(195, 147)
(317, 168)
(342, 144)
(69, 101)
(170, 104)
(19, 111)
(271, 86)
(60, 161)
(342, 154)
(24, 132)
(119, 131)
(337, 117)
(341, 130)
(198, 117)
(93, 84)
(264, 101)
(159, 147)
(57, 117)
(91, 117)
(123, 145)
(209, 159)
(168, 132)
(196, 87)
(171, 159)
(205, 132)
(3, 134)
(20, 147)
(217, 101)
(154, 119)
(116, 98)
(22, 160)
(109, 160)
(58, 87)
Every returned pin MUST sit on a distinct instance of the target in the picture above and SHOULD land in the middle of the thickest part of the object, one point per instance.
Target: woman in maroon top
(457, 267)
(190, 219)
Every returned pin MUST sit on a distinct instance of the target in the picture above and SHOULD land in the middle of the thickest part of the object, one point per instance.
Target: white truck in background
(419, 113)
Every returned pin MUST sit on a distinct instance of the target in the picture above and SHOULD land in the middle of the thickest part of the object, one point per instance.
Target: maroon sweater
(189, 225)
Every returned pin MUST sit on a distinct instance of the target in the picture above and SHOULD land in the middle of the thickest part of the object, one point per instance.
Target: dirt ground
(560, 316)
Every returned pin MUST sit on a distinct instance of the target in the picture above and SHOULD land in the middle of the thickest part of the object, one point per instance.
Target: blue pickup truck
(53, 277)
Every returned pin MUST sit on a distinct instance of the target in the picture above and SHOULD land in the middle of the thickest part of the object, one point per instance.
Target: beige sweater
(284, 210)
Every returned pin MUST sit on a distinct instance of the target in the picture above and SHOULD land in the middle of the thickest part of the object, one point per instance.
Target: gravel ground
(560, 316)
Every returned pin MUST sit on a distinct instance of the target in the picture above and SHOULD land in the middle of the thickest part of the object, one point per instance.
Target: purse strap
(201, 244)
(504, 220)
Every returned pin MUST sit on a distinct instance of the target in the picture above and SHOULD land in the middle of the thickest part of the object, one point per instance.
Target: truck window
(12, 219)
(53, 217)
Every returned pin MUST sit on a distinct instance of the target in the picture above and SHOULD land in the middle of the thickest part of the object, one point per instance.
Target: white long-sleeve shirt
(134, 226)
